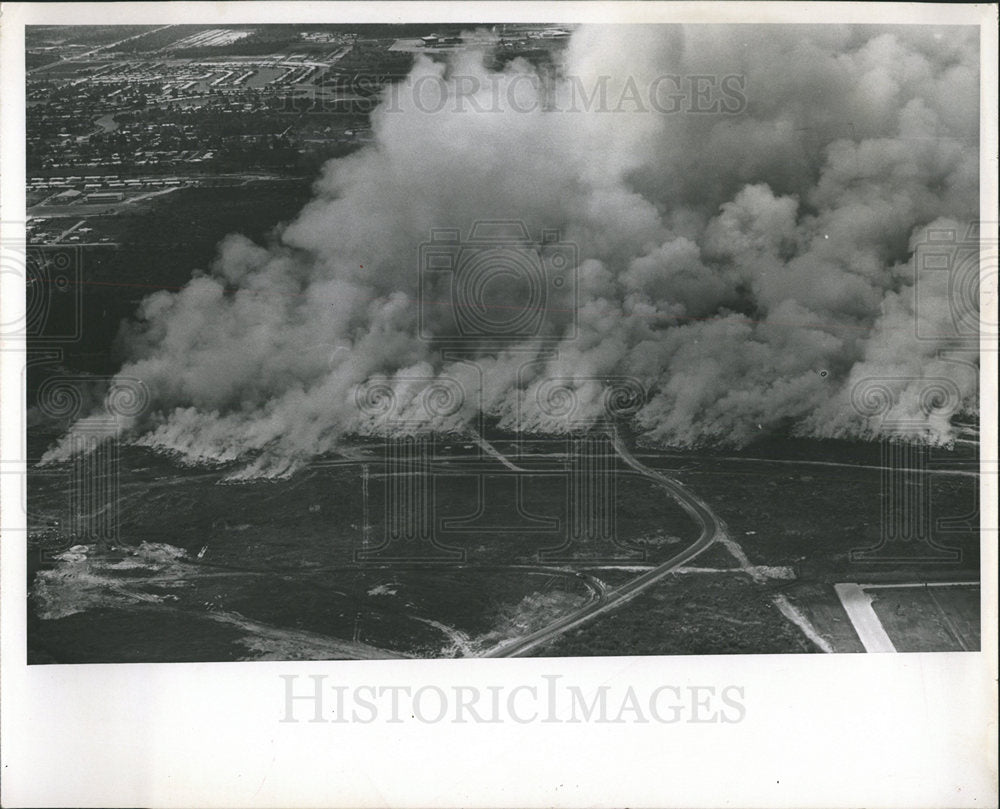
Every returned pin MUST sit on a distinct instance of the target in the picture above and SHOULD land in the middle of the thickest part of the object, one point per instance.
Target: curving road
(600, 600)
(712, 529)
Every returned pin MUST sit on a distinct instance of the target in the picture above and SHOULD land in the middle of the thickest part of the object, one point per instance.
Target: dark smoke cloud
(751, 268)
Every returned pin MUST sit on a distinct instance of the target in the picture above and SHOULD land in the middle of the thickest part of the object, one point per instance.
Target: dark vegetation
(688, 614)
(812, 517)
(279, 553)
(161, 245)
(38, 36)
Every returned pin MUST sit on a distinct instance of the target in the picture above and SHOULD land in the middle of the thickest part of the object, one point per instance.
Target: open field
(794, 514)
(310, 568)
(142, 608)
(461, 547)
(819, 603)
(275, 559)
(929, 619)
(689, 614)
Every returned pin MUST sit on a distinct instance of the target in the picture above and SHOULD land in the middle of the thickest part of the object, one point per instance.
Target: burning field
(695, 242)
(753, 268)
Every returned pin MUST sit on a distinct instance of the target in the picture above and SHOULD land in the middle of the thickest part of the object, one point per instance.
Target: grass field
(276, 559)
(819, 603)
(271, 566)
(813, 517)
(689, 614)
(929, 619)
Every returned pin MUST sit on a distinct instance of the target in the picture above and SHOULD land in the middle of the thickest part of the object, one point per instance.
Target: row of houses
(101, 193)
(93, 183)
(71, 195)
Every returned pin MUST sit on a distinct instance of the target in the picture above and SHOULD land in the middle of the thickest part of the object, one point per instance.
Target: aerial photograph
(373, 341)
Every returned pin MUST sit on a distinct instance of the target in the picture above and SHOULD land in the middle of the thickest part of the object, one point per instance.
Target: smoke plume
(744, 235)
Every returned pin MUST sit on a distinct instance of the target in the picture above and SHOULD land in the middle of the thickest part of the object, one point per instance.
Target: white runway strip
(858, 605)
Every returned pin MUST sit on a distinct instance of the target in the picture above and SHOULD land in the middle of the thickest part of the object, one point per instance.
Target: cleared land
(267, 569)
(929, 618)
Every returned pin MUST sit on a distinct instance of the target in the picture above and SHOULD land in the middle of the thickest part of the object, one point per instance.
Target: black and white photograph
(428, 337)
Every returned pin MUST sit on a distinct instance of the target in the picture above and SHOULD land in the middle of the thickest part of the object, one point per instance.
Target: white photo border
(914, 730)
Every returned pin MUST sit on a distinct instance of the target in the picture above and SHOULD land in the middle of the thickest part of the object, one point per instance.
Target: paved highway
(712, 529)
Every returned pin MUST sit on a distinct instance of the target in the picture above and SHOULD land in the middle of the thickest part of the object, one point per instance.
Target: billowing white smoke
(753, 267)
